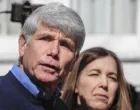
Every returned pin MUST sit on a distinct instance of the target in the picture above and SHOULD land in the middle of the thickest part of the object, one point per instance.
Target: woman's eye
(93, 74)
(113, 78)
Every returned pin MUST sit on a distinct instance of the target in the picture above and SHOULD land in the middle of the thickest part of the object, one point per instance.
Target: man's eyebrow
(65, 41)
(45, 34)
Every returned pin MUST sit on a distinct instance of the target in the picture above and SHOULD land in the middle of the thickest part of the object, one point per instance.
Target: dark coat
(14, 96)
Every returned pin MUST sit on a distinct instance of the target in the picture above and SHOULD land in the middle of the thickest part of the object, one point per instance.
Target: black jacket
(14, 96)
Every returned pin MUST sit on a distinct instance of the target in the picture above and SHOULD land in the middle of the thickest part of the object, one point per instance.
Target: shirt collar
(24, 80)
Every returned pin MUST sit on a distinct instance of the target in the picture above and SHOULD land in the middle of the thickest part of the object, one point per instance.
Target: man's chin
(47, 78)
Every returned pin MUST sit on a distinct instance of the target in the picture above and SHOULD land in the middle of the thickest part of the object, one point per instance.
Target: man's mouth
(51, 67)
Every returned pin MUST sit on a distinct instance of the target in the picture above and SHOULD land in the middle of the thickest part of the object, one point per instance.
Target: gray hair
(58, 16)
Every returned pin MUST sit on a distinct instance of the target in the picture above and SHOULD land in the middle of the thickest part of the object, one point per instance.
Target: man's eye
(46, 38)
(66, 45)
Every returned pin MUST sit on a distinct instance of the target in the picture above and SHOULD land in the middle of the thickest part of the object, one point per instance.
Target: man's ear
(75, 59)
(21, 44)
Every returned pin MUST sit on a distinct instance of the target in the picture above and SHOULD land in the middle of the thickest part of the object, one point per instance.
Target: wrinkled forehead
(51, 27)
(67, 31)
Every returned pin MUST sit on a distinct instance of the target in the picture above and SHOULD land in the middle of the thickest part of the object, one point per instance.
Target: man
(49, 44)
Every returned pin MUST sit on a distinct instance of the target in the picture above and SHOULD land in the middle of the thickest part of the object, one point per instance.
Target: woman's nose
(104, 82)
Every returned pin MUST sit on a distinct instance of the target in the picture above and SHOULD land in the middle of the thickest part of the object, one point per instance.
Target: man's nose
(54, 48)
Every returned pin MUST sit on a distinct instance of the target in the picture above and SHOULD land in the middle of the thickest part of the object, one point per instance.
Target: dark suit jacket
(14, 96)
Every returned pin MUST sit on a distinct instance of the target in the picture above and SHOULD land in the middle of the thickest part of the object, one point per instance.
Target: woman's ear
(76, 90)
(22, 45)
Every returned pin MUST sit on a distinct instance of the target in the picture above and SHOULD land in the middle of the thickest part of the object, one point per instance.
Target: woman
(96, 82)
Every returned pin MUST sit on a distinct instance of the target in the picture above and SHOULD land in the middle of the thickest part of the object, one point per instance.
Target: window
(107, 16)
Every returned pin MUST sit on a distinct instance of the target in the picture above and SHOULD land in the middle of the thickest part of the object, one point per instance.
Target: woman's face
(97, 84)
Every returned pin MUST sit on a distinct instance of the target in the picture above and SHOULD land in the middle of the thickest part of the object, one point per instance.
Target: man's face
(48, 56)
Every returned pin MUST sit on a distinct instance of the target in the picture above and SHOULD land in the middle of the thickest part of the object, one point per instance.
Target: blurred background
(113, 24)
